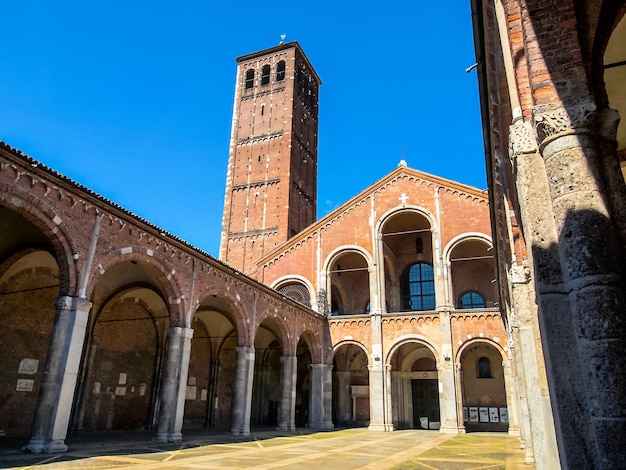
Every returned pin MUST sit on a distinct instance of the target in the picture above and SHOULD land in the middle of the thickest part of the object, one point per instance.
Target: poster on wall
(484, 414)
(473, 414)
(494, 415)
(465, 414)
(504, 415)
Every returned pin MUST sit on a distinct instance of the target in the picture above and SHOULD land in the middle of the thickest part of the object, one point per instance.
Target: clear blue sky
(134, 99)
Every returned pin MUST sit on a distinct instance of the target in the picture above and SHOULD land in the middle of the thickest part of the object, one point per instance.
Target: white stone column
(288, 371)
(458, 387)
(321, 398)
(242, 396)
(58, 383)
(451, 421)
(174, 385)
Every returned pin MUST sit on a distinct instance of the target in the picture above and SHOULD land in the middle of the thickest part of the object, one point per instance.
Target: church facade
(385, 313)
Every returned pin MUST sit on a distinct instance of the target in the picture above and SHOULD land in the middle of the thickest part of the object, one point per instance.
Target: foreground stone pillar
(242, 395)
(174, 386)
(321, 397)
(287, 417)
(56, 394)
(579, 269)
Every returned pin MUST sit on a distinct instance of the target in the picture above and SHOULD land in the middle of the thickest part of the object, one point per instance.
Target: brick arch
(407, 208)
(464, 237)
(42, 215)
(238, 313)
(288, 347)
(343, 249)
(347, 342)
(171, 288)
(412, 338)
(471, 342)
(313, 342)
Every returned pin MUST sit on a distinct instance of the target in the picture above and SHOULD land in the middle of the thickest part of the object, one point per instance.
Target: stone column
(377, 378)
(174, 385)
(58, 383)
(538, 217)
(242, 396)
(321, 398)
(450, 419)
(458, 388)
(288, 378)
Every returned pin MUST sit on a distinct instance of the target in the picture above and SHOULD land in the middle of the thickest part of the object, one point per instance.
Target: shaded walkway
(345, 449)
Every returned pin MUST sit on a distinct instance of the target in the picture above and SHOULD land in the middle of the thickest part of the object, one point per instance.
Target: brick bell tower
(271, 184)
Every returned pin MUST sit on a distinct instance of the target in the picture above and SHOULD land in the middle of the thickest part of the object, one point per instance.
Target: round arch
(39, 213)
(406, 209)
(463, 237)
(412, 338)
(172, 291)
(278, 327)
(284, 281)
(470, 342)
(313, 342)
(344, 249)
(237, 311)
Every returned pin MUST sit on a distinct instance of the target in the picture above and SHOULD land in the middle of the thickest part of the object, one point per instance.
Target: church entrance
(415, 387)
(425, 402)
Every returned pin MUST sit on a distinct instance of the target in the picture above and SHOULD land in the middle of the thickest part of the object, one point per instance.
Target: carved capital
(519, 274)
(521, 139)
(553, 120)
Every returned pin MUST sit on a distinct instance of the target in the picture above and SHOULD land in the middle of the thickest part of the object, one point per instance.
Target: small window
(249, 79)
(471, 299)
(280, 71)
(484, 368)
(419, 245)
(265, 75)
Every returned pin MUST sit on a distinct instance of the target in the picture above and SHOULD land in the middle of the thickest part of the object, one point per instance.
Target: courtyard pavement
(344, 449)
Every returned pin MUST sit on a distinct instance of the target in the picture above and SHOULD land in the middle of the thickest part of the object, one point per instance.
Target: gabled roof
(401, 170)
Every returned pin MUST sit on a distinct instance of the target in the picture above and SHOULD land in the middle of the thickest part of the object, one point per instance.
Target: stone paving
(345, 449)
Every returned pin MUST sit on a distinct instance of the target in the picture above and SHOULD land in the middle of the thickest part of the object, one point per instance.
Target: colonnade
(56, 400)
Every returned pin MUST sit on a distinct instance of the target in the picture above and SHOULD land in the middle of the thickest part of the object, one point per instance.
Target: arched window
(249, 78)
(296, 291)
(265, 75)
(484, 368)
(471, 299)
(280, 71)
(418, 287)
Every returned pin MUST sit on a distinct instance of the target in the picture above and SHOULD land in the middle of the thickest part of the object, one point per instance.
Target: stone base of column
(286, 428)
(322, 425)
(37, 446)
(452, 429)
(380, 427)
(514, 431)
(169, 437)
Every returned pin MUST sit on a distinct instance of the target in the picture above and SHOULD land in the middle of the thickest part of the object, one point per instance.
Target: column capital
(555, 120)
(77, 304)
